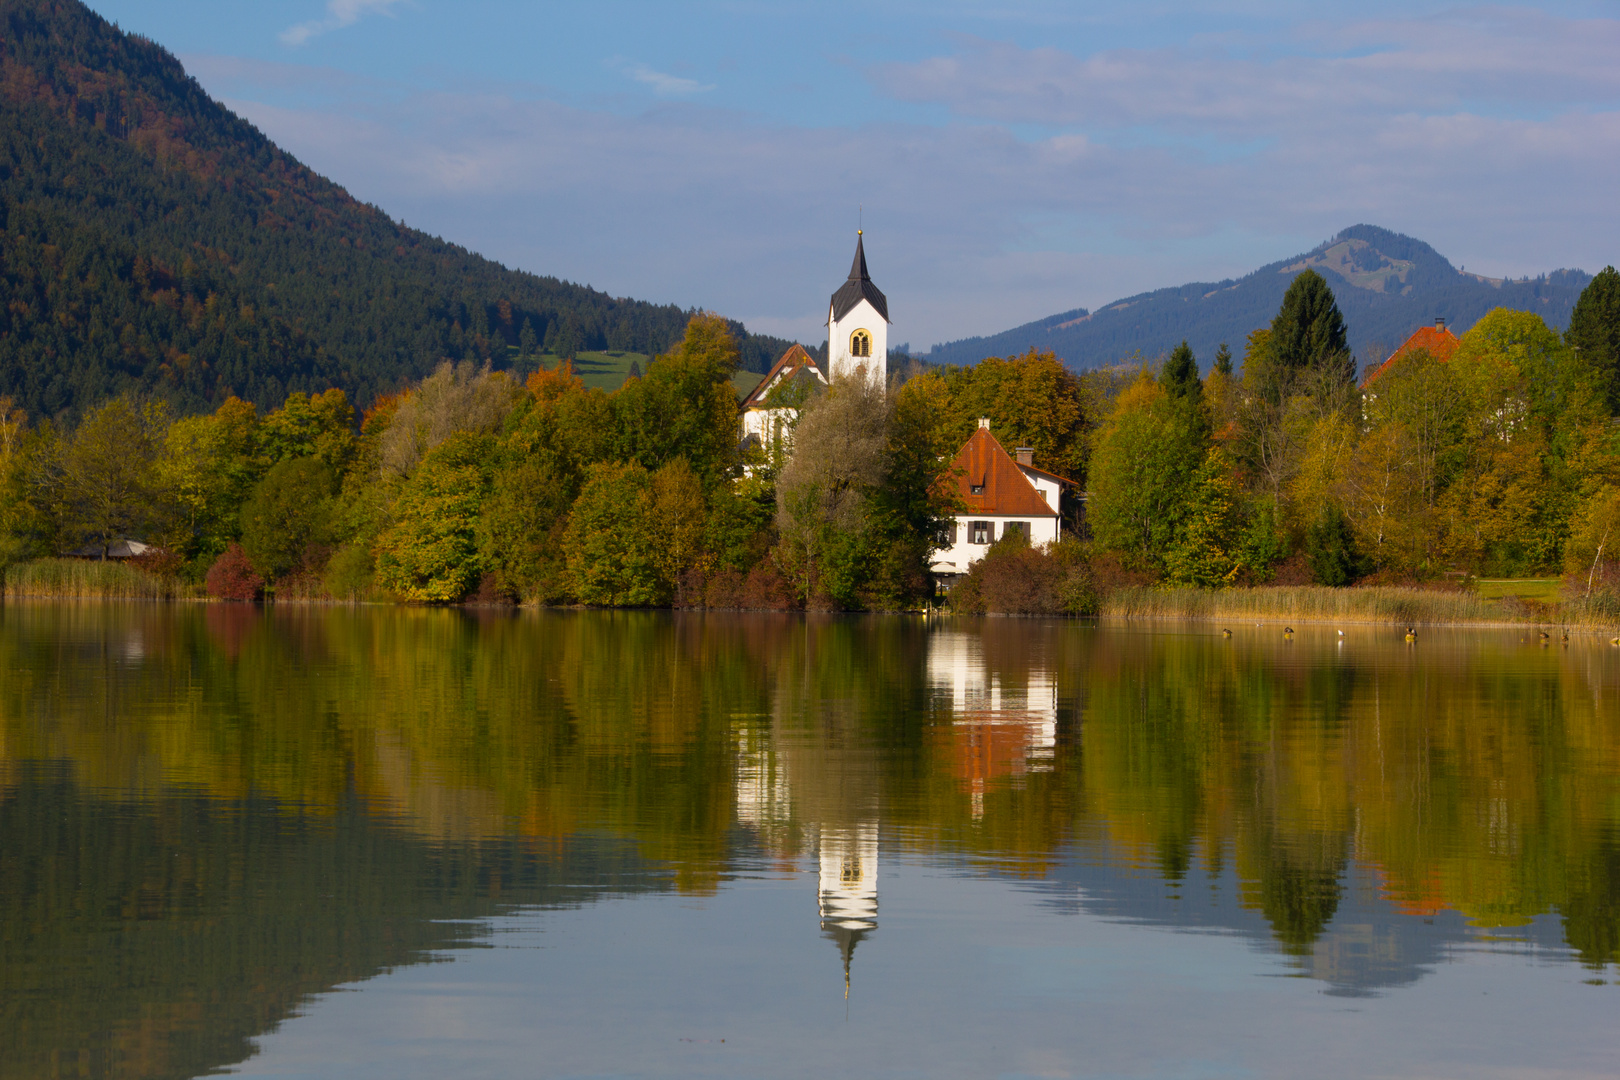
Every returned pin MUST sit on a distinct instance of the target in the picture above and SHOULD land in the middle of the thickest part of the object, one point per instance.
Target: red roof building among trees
(999, 494)
(1437, 340)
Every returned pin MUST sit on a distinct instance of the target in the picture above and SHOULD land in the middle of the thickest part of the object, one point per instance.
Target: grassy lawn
(1544, 589)
(744, 382)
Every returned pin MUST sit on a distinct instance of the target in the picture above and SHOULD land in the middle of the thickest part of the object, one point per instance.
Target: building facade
(1001, 494)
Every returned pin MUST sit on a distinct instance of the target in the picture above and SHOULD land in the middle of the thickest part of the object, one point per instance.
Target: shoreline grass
(1385, 604)
(82, 579)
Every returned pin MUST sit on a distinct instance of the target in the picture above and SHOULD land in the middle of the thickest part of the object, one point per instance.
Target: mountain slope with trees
(1387, 286)
(153, 241)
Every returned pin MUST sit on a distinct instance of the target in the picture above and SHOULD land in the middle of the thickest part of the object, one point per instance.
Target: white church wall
(863, 316)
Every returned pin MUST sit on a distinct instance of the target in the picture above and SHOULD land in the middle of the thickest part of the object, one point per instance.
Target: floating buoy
(1288, 632)
(1411, 635)
(1226, 633)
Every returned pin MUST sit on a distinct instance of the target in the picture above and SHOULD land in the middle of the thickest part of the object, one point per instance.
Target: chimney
(1440, 323)
(984, 422)
(1025, 455)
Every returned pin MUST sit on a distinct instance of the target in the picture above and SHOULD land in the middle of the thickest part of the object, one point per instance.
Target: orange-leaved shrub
(232, 576)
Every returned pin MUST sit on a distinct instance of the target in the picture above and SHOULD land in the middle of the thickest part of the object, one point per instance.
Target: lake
(332, 842)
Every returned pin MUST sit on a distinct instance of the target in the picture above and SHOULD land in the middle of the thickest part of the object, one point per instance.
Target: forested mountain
(152, 240)
(1387, 285)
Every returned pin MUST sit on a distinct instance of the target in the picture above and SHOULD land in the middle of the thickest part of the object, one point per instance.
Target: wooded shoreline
(1306, 605)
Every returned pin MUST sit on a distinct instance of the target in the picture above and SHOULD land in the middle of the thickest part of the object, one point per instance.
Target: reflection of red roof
(984, 750)
(1438, 341)
(794, 361)
(1003, 489)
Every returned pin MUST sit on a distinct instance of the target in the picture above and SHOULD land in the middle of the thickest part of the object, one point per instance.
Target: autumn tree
(1142, 471)
(320, 426)
(684, 406)
(1031, 400)
(102, 481)
(288, 512)
(430, 553)
(208, 466)
(455, 399)
(837, 463)
(1205, 551)
(610, 541)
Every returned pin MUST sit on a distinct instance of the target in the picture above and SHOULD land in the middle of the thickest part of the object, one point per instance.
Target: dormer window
(860, 343)
(976, 489)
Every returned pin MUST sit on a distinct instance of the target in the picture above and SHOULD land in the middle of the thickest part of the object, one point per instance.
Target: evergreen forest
(153, 242)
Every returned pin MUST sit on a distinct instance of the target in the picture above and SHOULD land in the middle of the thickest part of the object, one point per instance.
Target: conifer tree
(1179, 376)
(1223, 360)
(1308, 332)
(1594, 331)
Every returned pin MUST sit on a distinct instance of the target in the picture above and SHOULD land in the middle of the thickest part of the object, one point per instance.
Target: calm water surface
(380, 843)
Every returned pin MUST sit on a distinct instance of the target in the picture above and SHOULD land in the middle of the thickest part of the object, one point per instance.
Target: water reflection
(215, 812)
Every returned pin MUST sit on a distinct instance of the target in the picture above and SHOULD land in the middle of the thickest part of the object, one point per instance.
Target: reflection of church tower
(848, 893)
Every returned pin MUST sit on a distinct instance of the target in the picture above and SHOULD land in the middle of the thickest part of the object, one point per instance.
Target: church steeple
(857, 272)
(858, 322)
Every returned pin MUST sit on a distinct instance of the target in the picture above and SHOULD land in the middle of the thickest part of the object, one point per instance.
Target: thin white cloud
(1187, 163)
(1495, 60)
(339, 13)
(660, 82)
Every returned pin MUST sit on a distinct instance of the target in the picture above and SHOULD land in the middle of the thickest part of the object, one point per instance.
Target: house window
(975, 489)
(1016, 526)
(947, 534)
(982, 532)
(860, 343)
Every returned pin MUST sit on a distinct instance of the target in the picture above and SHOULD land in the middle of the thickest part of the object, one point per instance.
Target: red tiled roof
(1005, 490)
(1439, 341)
(792, 362)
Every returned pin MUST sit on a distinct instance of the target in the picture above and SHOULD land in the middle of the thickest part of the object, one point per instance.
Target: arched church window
(860, 343)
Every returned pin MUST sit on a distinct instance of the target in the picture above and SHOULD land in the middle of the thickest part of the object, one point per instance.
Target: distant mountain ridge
(152, 241)
(1387, 285)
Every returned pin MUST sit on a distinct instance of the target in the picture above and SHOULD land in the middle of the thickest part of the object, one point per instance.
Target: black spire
(859, 287)
(857, 271)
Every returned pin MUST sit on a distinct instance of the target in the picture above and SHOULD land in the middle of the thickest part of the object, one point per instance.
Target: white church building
(857, 336)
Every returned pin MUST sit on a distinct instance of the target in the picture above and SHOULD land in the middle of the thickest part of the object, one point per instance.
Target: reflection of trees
(155, 937)
(1480, 779)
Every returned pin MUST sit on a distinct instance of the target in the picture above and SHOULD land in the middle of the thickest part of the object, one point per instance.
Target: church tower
(858, 324)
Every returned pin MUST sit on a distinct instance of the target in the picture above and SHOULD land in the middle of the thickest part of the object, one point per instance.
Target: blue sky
(1013, 159)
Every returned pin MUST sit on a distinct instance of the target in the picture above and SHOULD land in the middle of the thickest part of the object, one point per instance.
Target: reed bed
(81, 579)
(1317, 604)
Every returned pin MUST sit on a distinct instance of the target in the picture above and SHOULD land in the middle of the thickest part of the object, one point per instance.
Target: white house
(769, 411)
(1001, 494)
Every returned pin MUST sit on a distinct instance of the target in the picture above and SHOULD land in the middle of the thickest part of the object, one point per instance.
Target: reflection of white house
(997, 729)
(847, 890)
(1000, 494)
